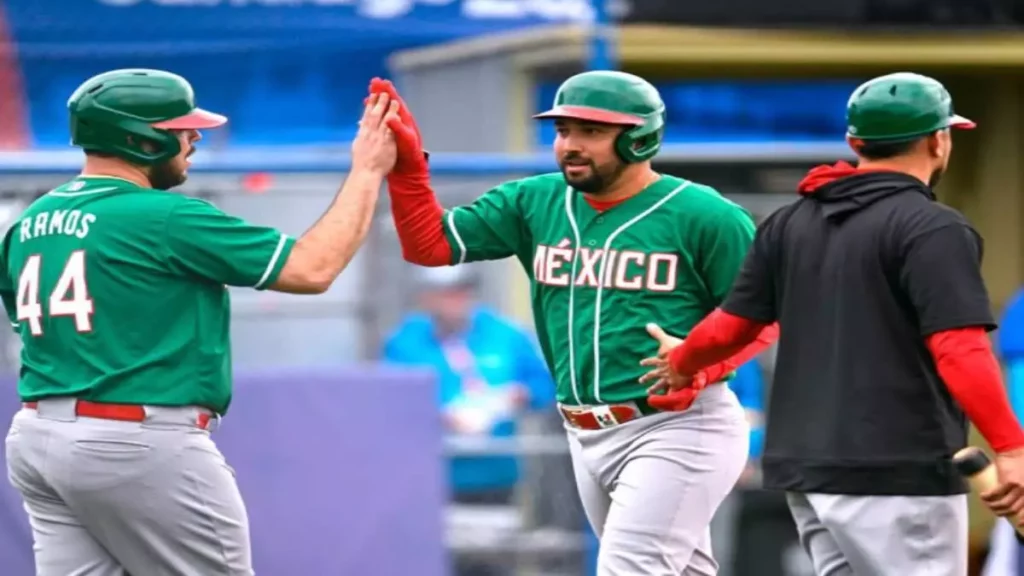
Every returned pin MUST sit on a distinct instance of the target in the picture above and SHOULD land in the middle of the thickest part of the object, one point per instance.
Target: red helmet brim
(197, 119)
(589, 114)
(962, 123)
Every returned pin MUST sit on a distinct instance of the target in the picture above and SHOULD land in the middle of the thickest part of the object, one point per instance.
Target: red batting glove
(682, 399)
(412, 159)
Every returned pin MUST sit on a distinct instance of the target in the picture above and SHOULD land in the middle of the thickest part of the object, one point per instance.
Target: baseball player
(117, 287)
(878, 291)
(623, 261)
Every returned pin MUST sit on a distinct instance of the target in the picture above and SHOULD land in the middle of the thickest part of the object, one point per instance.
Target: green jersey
(119, 293)
(668, 255)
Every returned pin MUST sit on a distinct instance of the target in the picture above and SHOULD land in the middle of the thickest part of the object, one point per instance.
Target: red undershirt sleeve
(718, 338)
(489, 228)
(418, 220)
(967, 365)
(764, 339)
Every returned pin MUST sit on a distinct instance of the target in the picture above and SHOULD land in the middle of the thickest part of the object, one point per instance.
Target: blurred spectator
(490, 373)
(1005, 556)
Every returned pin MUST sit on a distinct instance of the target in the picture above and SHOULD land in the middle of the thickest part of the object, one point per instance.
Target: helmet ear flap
(638, 144)
(130, 139)
(150, 151)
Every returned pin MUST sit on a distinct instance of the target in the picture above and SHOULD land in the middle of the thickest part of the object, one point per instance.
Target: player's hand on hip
(1007, 499)
(411, 157)
(374, 149)
(661, 377)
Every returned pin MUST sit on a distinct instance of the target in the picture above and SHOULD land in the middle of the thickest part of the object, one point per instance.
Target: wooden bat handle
(981, 474)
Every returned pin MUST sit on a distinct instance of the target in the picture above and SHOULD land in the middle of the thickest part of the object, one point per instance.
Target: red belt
(596, 418)
(122, 412)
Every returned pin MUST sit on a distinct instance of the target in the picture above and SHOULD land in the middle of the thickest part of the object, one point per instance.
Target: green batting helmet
(901, 106)
(117, 112)
(609, 97)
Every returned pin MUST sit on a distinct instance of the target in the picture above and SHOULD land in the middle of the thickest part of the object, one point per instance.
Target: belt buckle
(604, 415)
(610, 415)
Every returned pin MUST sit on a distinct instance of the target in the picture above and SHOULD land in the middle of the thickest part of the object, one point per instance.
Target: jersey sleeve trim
(277, 261)
(454, 233)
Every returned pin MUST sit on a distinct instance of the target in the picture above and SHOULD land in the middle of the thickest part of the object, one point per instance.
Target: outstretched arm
(204, 242)
(719, 341)
(488, 229)
(329, 245)
(765, 338)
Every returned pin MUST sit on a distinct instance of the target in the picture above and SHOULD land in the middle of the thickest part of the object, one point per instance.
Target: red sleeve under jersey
(719, 337)
(963, 358)
(417, 215)
(764, 339)
(969, 368)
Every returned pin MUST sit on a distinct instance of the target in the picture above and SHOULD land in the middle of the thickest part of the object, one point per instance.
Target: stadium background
(340, 458)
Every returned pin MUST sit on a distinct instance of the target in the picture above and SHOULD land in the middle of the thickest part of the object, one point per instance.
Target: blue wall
(295, 74)
(742, 111)
(284, 74)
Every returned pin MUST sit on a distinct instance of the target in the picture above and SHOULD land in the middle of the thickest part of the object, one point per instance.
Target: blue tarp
(284, 71)
(341, 470)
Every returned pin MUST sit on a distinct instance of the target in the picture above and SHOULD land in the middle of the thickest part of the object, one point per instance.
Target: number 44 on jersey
(70, 296)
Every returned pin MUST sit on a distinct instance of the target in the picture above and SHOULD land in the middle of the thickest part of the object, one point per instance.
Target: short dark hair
(885, 149)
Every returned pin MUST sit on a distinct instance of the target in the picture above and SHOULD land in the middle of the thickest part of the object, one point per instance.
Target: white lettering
(538, 263)
(40, 227)
(56, 221)
(579, 11)
(83, 230)
(608, 266)
(557, 258)
(636, 282)
(72, 222)
(588, 262)
(662, 265)
(573, 10)
(63, 222)
(625, 270)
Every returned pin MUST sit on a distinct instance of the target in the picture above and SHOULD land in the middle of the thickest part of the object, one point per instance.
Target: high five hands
(669, 390)
(374, 148)
(412, 159)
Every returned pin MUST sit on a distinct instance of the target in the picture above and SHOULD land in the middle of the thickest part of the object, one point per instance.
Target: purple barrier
(341, 471)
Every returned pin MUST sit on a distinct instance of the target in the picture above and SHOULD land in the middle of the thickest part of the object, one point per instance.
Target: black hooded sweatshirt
(857, 273)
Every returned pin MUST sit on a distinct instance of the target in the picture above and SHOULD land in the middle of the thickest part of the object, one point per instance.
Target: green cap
(901, 106)
(611, 97)
(117, 112)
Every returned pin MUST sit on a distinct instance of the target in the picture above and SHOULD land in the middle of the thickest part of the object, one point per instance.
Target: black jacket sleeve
(940, 272)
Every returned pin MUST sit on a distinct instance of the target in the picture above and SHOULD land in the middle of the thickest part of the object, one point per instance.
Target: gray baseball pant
(651, 486)
(882, 535)
(112, 498)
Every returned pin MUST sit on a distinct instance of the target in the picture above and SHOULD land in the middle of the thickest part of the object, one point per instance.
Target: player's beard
(936, 177)
(598, 181)
(166, 175)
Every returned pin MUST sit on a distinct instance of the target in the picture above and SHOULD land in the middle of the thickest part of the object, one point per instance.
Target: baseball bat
(981, 474)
